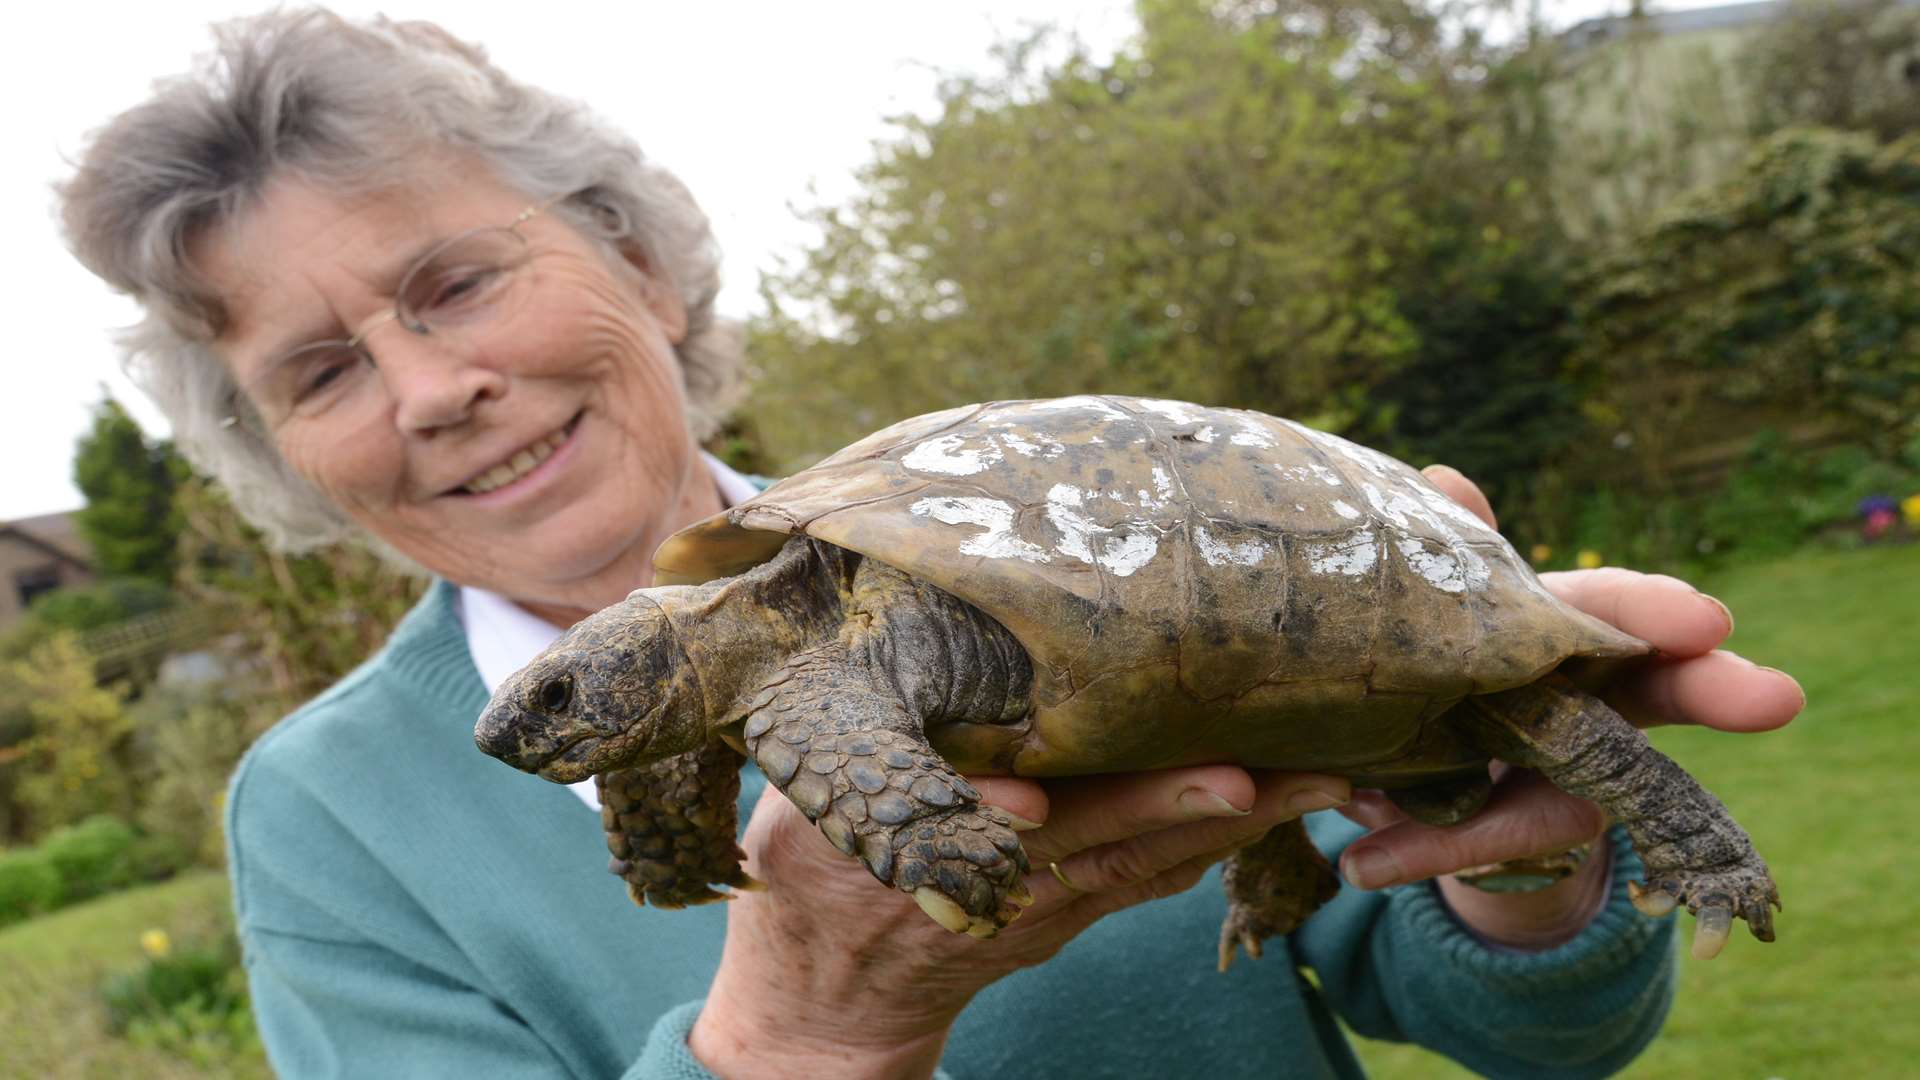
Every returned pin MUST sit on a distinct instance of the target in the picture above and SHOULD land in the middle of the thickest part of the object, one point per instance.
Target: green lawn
(1831, 802)
(52, 1022)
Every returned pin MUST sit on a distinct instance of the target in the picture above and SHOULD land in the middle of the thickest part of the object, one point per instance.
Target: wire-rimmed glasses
(463, 288)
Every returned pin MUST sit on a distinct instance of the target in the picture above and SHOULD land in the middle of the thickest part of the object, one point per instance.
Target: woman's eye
(458, 289)
(324, 374)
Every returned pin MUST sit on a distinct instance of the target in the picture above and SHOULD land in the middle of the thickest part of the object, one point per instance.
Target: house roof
(55, 534)
(1592, 32)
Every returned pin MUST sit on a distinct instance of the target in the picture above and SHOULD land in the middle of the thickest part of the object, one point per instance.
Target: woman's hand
(828, 972)
(1692, 681)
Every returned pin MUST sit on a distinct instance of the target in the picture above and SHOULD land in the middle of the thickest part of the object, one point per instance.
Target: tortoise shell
(1192, 584)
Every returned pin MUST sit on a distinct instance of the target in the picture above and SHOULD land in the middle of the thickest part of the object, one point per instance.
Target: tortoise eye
(555, 694)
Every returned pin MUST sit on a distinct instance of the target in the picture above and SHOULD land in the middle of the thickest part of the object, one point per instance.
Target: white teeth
(517, 466)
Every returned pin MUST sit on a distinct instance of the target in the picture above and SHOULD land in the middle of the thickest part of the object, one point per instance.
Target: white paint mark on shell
(1367, 458)
(998, 542)
(1350, 513)
(1252, 434)
(1206, 434)
(1353, 555)
(1120, 550)
(1047, 447)
(951, 456)
(1439, 568)
(1080, 402)
(1220, 553)
(1162, 483)
(1437, 501)
(1312, 471)
(1177, 411)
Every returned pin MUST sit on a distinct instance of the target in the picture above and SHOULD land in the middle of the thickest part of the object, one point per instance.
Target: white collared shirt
(504, 637)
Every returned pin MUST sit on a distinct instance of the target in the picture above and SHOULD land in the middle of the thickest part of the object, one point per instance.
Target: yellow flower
(156, 944)
(1589, 559)
(1910, 509)
(1541, 553)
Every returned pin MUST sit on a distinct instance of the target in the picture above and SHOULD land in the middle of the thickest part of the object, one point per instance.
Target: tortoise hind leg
(1272, 885)
(1695, 853)
(670, 826)
(1445, 802)
(835, 738)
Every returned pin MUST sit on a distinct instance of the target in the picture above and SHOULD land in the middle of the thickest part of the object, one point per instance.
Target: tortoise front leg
(1694, 852)
(671, 827)
(843, 748)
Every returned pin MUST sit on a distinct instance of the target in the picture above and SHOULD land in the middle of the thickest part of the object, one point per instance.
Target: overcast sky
(757, 104)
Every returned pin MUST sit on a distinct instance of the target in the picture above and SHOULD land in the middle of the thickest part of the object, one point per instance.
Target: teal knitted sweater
(410, 907)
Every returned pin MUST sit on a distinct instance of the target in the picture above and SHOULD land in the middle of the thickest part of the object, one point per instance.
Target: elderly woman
(394, 297)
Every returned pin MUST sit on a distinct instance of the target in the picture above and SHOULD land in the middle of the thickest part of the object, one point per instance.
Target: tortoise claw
(1716, 923)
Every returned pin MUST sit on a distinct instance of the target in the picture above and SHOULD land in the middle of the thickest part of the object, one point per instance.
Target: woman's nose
(434, 384)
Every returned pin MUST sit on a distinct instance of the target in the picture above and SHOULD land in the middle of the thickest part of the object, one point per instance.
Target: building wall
(27, 567)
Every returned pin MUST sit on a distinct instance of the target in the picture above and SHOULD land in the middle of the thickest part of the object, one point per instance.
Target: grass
(52, 1022)
(1830, 801)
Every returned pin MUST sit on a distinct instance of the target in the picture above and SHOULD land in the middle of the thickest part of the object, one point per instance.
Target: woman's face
(582, 378)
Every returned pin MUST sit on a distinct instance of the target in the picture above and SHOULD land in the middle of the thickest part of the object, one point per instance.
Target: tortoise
(1093, 585)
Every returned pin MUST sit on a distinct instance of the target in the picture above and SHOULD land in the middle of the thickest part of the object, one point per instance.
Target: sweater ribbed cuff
(1615, 938)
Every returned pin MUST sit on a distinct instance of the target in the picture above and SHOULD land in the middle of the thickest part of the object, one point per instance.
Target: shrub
(29, 885)
(92, 858)
(192, 1003)
(188, 739)
(73, 764)
(157, 856)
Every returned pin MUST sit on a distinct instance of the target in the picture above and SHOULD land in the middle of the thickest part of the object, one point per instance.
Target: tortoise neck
(739, 632)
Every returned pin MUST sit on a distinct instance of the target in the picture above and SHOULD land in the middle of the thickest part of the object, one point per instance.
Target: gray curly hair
(351, 107)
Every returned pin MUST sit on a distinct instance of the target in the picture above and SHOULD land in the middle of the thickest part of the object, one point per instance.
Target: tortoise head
(614, 692)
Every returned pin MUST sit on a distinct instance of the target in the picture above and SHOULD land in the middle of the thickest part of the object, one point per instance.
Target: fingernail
(1311, 799)
(1715, 601)
(1020, 824)
(1202, 803)
(1369, 868)
(1796, 682)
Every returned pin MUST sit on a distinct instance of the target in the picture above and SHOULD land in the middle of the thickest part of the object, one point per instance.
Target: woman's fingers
(1526, 816)
(1692, 681)
(1662, 611)
(1089, 811)
(1026, 800)
(1718, 690)
(1147, 852)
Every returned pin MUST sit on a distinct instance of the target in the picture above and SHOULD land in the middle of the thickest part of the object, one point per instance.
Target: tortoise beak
(525, 743)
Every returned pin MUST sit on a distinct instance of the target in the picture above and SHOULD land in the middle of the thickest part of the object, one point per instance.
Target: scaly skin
(853, 760)
(1694, 852)
(670, 826)
(1272, 885)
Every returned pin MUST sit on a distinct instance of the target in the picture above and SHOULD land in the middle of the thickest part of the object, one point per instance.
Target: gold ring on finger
(1061, 876)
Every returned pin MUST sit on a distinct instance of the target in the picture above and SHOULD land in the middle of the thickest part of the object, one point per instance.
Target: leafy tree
(1853, 65)
(128, 481)
(73, 765)
(1231, 211)
(294, 623)
(1783, 296)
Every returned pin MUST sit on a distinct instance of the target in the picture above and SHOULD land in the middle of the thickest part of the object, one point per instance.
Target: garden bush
(92, 858)
(29, 885)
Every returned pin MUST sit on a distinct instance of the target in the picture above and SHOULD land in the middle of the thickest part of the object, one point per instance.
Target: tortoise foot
(1715, 898)
(1272, 885)
(964, 867)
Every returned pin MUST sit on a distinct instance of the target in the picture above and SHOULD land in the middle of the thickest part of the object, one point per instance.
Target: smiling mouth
(523, 461)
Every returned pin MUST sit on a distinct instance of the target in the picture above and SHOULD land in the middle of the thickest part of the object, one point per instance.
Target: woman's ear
(657, 292)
